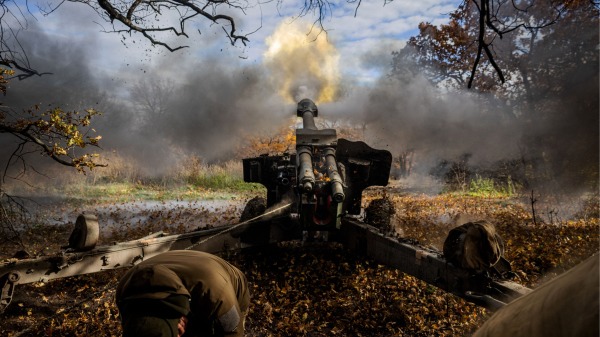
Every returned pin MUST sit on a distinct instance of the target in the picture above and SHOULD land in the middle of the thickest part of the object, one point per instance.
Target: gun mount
(317, 189)
(325, 178)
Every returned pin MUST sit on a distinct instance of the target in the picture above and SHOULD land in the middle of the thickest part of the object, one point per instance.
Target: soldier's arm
(229, 315)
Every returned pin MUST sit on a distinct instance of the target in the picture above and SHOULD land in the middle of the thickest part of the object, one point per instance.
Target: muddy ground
(308, 289)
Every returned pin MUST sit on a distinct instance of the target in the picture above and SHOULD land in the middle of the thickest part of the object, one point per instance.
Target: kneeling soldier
(179, 292)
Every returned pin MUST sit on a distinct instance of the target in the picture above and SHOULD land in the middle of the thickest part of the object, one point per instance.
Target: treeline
(549, 60)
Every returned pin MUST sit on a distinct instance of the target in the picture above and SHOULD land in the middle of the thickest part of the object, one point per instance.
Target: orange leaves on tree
(282, 141)
(3, 81)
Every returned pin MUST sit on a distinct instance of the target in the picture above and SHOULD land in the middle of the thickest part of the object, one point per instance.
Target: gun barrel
(308, 121)
(307, 109)
(337, 190)
(306, 176)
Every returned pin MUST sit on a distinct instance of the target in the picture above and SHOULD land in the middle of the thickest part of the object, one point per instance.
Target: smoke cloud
(302, 63)
(414, 115)
(205, 106)
(152, 115)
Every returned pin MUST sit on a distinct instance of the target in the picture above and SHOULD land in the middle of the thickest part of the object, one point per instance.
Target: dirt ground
(317, 289)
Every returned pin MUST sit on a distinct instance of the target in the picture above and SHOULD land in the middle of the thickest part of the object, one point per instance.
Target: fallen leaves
(331, 291)
(318, 289)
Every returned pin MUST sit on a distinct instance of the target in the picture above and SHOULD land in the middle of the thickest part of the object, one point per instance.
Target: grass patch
(208, 189)
(190, 179)
(486, 188)
(221, 181)
(85, 193)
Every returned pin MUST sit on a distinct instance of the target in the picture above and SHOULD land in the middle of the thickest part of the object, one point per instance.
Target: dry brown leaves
(536, 250)
(322, 289)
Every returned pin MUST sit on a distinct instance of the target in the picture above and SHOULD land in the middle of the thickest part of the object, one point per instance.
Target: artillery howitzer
(315, 192)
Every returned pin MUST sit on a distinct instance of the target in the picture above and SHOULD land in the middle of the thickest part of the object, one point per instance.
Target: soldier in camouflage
(566, 306)
(183, 293)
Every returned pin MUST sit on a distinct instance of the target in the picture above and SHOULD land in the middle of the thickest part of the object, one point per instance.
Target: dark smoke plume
(400, 115)
(204, 106)
(205, 111)
(553, 142)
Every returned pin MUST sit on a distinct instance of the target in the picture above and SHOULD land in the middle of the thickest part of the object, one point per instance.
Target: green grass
(191, 180)
(486, 188)
(205, 189)
(221, 181)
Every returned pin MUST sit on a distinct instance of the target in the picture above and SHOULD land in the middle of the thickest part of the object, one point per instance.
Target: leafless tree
(159, 21)
(13, 19)
(494, 23)
(151, 97)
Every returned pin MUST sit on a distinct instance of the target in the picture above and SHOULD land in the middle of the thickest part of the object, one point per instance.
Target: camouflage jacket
(218, 291)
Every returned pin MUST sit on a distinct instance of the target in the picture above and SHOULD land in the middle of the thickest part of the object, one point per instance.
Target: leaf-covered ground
(322, 289)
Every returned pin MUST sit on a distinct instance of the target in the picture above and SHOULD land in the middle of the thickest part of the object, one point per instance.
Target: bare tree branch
(25, 134)
(12, 53)
(490, 18)
(136, 14)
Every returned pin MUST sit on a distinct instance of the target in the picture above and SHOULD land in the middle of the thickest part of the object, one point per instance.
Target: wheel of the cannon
(254, 207)
(85, 234)
(379, 213)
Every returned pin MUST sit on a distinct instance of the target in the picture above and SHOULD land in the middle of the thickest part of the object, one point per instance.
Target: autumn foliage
(52, 131)
(322, 289)
(277, 143)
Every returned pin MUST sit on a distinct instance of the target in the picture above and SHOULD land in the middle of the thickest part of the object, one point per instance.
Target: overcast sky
(216, 94)
(219, 93)
(364, 41)
(209, 98)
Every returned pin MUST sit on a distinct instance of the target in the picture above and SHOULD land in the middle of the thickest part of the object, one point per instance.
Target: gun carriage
(314, 193)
